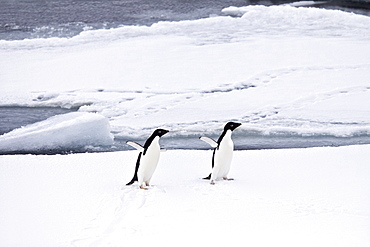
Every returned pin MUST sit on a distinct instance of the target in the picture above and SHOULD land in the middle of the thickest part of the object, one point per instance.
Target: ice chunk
(62, 132)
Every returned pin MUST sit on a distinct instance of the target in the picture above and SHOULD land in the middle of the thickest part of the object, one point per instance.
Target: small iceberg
(66, 132)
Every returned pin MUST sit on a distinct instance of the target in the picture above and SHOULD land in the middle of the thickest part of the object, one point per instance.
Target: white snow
(268, 68)
(297, 197)
(278, 69)
(71, 130)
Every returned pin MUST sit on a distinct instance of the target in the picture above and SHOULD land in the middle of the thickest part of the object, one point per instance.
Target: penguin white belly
(148, 162)
(223, 157)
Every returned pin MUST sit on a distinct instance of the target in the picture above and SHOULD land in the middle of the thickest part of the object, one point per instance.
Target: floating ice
(281, 70)
(305, 3)
(62, 132)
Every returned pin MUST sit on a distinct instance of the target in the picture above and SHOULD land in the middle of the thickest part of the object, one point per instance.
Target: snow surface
(297, 197)
(72, 130)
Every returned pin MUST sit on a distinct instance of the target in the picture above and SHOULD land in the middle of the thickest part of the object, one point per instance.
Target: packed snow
(292, 197)
(278, 70)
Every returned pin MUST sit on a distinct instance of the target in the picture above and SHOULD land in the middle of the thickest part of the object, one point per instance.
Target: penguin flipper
(135, 145)
(209, 177)
(210, 141)
(136, 169)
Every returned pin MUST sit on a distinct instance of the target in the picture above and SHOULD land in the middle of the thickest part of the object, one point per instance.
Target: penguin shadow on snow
(148, 157)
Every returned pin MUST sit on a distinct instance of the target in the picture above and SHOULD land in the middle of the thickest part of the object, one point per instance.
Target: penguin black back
(136, 169)
(213, 162)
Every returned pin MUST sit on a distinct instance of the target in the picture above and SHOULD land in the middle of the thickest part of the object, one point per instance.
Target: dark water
(21, 19)
(255, 142)
(16, 117)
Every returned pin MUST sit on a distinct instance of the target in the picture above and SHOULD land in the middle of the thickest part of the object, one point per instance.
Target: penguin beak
(164, 132)
(237, 125)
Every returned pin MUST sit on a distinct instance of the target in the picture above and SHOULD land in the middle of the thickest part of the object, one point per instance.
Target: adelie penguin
(222, 153)
(148, 158)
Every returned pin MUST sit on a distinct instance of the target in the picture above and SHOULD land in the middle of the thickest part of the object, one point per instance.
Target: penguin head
(232, 125)
(160, 132)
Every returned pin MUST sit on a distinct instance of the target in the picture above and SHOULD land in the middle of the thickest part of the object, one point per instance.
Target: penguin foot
(212, 182)
(144, 188)
(228, 179)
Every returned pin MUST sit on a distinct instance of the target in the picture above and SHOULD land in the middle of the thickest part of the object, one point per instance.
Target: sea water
(12, 117)
(25, 19)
